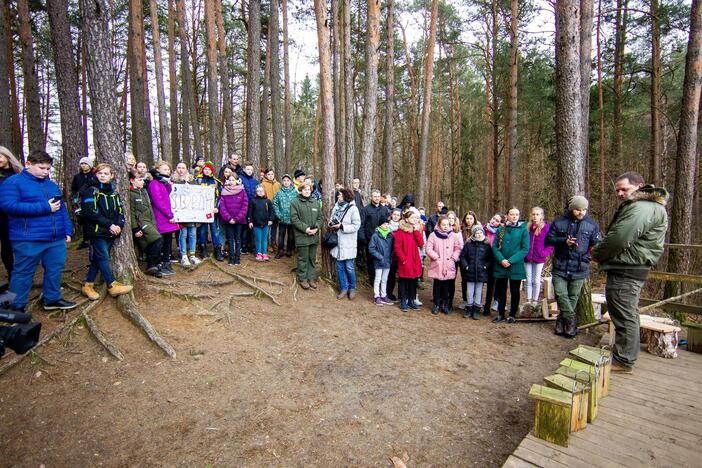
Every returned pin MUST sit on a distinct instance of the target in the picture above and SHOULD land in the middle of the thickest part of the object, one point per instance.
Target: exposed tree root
(129, 308)
(186, 296)
(97, 333)
(192, 268)
(256, 278)
(257, 289)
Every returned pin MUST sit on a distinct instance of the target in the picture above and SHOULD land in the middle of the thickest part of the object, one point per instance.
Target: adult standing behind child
(260, 219)
(306, 217)
(187, 238)
(346, 221)
(443, 249)
(476, 266)
(538, 253)
(104, 219)
(160, 193)
(146, 235)
(233, 208)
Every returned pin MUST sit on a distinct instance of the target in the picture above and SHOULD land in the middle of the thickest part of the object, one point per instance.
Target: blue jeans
(347, 274)
(261, 239)
(187, 239)
(52, 256)
(99, 256)
(202, 234)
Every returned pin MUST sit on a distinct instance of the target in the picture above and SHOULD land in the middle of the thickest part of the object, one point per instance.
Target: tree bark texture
(173, 85)
(17, 144)
(253, 81)
(163, 125)
(656, 128)
(288, 104)
(600, 109)
(5, 114)
(569, 153)
(350, 111)
(139, 95)
(31, 83)
(586, 20)
(276, 115)
(336, 46)
(371, 97)
(619, 44)
(265, 103)
(389, 138)
(511, 162)
(188, 121)
(215, 142)
(227, 106)
(426, 106)
(495, 130)
(683, 197)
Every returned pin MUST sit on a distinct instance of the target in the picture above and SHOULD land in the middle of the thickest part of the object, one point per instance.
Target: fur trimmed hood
(405, 226)
(177, 179)
(650, 193)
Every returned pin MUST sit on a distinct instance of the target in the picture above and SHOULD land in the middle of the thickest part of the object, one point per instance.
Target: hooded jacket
(476, 261)
(381, 249)
(635, 237)
(406, 244)
(160, 193)
(282, 201)
(443, 253)
(538, 250)
(271, 187)
(305, 213)
(572, 262)
(142, 216)
(260, 211)
(233, 204)
(514, 248)
(250, 184)
(101, 208)
(347, 247)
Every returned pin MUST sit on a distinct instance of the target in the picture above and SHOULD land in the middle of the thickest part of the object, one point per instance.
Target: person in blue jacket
(39, 229)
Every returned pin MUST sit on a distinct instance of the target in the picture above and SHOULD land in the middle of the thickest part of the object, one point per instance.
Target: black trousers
(407, 289)
(442, 291)
(166, 248)
(8, 258)
(501, 295)
(286, 238)
(233, 233)
(489, 294)
(273, 233)
(392, 278)
(153, 253)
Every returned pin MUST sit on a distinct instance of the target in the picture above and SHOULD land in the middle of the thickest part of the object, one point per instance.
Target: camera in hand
(23, 335)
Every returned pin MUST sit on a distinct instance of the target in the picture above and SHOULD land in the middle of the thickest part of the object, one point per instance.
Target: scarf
(383, 232)
(394, 225)
(232, 189)
(492, 230)
(441, 234)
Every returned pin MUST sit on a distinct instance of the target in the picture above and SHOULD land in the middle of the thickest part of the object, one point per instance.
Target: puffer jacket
(260, 211)
(25, 200)
(635, 237)
(347, 248)
(476, 261)
(443, 253)
(305, 213)
(282, 201)
(572, 262)
(406, 245)
(250, 184)
(514, 248)
(142, 216)
(233, 204)
(381, 249)
(160, 194)
(101, 208)
(538, 250)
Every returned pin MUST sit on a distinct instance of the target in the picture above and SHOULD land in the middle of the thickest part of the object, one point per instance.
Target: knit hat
(86, 160)
(298, 173)
(476, 228)
(578, 202)
(210, 166)
(286, 176)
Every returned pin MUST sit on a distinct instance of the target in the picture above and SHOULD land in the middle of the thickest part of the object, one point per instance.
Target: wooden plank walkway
(650, 418)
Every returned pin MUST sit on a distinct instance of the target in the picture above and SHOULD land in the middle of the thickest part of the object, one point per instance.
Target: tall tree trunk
(31, 84)
(139, 98)
(327, 104)
(173, 85)
(336, 46)
(586, 12)
(600, 110)
(5, 117)
(288, 104)
(511, 162)
(426, 105)
(67, 84)
(265, 103)
(166, 152)
(619, 44)
(569, 153)
(371, 96)
(389, 138)
(17, 143)
(253, 82)
(215, 142)
(350, 111)
(84, 96)
(227, 106)
(656, 129)
(681, 213)
(188, 98)
(495, 103)
(276, 116)
(455, 112)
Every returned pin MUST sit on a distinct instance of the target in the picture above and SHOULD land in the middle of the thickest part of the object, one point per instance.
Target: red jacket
(407, 243)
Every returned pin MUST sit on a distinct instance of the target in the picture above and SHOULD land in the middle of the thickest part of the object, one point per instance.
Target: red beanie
(210, 166)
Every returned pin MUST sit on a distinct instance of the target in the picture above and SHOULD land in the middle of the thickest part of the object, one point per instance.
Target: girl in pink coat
(443, 249)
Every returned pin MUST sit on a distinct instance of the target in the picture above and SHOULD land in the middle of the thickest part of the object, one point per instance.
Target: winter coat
(305, 213)
(25, 200)
(406, 244)
(538, 250)
(233, 204)
(515, 246)
(271, 188)
(635, 237)
(432, 222)
(358, 198)
(346, 249)
(101, 208)
(282, 201)
(159, 192)
(142, 216)
(79, 181)
(490, 235)
(250, 184)
(443, 254)
(381, 250)
(476, 261)
(372, 216)
(572, 262)
(260, 211)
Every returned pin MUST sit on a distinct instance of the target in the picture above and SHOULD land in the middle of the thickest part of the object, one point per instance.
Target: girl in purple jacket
(538, 253)
(160, 193)
(233, 206)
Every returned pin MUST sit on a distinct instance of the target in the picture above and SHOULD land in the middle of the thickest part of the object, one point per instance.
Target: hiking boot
(312, 283)
(475, 315)
(185, 261)
(194, 260)
(620, 368)
(379, 301)
(560, 326)
(498, 319)
(435, 310)
(342, 295)
(467, 311)
(117, 289)
(571, 328)
(61, 304)
(304, 284)
(89, 291)
(352, 294)
(218, 253)
(154, 271)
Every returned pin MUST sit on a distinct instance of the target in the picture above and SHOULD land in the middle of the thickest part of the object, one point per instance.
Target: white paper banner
(193, 203)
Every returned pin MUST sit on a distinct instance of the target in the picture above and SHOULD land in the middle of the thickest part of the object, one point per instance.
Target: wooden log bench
(659, 334)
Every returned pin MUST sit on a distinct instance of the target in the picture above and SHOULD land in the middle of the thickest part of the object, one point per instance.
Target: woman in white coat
(346, 220)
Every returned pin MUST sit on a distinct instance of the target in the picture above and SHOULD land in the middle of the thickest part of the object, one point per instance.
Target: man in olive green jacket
(306, 218)
(633, 244)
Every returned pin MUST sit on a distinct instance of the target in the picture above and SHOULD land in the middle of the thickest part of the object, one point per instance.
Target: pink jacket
(444, 254)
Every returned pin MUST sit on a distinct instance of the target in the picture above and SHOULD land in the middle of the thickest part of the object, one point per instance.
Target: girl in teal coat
(510, 247)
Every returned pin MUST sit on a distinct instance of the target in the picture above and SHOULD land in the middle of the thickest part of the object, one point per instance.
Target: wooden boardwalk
(650, 418)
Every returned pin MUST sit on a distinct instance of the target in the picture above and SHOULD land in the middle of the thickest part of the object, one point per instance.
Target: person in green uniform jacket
(632, 245)
(510, 247)
(306, 218)
(146, 235)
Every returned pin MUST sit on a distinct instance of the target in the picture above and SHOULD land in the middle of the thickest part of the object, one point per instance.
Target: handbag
(331, 238)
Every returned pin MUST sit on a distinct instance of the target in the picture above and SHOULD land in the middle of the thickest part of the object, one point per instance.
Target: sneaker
(167, 270)
(154, 271)
(194, 260)
(403, 306)
(435, 310)
(379, 301)
(244, 252)
(413, 305)
(352, 294)
(259, 257)
(185, 261)
(342, 295)
(279, 254)
(391, 298)
(265, 257)
(61, 304)
(417, 301)
(511, 320)
(494, 306)
(312, 283)
(463, 305)
(386, 300)
(498, 319)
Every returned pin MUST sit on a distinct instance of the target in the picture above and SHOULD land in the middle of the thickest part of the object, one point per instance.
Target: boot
(231, 253)
(475, 312)
(446, 308)
(117, 289)
(218, 253)
(279, 254)
(202, 251)
(435, 309)
(412, 305)
(312, 283)
(89, 291)
(467, 311)
(403, 305)
(571, 328)
(560, 326)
